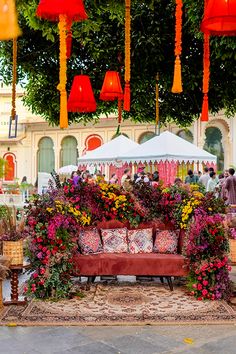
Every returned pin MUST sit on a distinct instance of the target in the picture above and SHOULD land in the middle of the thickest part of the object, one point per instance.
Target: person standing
(205, 177)
(126, 174)
(212, 182)
(191, 178)
(230, 187)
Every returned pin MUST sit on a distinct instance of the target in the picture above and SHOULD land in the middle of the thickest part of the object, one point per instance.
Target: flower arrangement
(207, 249)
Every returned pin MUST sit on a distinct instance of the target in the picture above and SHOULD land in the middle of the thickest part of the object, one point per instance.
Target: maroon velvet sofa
(142, 264)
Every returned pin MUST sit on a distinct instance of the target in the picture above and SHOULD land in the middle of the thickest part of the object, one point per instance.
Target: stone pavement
(119, 340)
(189, 339)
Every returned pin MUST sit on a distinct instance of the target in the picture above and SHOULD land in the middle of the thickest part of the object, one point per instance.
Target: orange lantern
(111, 88)
(219, 18)
(81, 97)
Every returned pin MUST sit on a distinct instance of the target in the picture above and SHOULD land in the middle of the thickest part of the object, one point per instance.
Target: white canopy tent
(109, 153)
(167, 147)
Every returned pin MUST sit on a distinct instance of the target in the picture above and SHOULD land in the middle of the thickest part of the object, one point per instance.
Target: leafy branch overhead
(98, 45)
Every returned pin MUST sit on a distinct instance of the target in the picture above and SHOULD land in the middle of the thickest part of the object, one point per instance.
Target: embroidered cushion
(166, 242)
(89, 241)
(114, 240)
(140, 241)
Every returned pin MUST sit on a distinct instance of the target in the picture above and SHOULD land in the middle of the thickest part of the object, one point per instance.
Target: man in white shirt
(205, 177)
(212, 182)
(127, 173)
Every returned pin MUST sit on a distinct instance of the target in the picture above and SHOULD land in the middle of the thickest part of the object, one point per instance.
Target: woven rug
(120, 304)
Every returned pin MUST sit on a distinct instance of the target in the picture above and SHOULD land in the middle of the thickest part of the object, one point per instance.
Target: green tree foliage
(98, 45)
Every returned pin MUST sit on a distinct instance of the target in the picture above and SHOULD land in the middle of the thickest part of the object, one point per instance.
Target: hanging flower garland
(127, 55)
(62, 74)
(177, 81)
(68, 38)
(206, 76)
(14, 78)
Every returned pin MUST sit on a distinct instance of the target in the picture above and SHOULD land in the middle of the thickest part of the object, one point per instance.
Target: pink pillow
(140, 241)
(166, 242)
(114, 240)
(89, 241)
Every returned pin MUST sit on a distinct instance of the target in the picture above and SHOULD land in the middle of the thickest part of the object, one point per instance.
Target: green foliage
(98, 45)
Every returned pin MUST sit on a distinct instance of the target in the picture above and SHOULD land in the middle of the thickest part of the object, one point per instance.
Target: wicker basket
(14, 251)
(232, 247)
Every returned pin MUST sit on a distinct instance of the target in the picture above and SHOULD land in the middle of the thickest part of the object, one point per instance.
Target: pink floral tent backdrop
(166, 151)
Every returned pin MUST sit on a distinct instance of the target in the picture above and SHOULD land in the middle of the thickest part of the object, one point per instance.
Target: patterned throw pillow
(140, 241)
(114, 240)
(166, 242)
(89, 241)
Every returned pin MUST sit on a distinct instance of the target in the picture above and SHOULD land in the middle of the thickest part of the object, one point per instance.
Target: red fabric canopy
(219, 18)
(51, 9)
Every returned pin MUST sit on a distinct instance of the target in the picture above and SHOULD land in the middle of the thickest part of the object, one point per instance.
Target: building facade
(38, 147)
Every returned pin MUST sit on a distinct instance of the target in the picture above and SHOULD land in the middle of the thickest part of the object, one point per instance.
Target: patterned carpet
(122, 303)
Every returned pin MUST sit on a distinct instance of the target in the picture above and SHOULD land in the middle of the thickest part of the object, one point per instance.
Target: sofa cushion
(89, 241)
(166, 242)
(114, 240)
(140, 241)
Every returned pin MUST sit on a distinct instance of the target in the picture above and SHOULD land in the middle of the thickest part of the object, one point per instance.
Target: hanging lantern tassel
(127, 55)
(127, 97)
(206, 75)
(177, 81)
(14, 77)
(68, 38)
(62, 84)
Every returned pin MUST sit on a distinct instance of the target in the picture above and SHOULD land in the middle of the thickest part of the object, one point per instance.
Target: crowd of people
(223, 185)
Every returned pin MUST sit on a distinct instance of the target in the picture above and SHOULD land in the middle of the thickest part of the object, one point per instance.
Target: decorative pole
(14, 78)
(127, 55)
(177, 81)
(157, 107)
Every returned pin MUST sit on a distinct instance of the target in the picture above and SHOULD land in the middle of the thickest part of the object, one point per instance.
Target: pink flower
(199, 278)
(35, 275)
(199, 298)
(199, 287)
(25, 289)
(204, 292)
(42, 270)
(205, 282)
(41, 282)
(40, 255)
(194, 286)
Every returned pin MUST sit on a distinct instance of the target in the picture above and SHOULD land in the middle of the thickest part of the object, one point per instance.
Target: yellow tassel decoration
(177, 82)
(8, 20)
(127, 55)
(62, 76)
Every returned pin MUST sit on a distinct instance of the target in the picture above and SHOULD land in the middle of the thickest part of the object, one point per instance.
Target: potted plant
(11, 234)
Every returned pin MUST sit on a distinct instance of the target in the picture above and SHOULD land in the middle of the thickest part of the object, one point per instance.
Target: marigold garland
(14, 77)
(68, 38)
(127, 55)
(177, 81)
(62, 75)
(206, 75)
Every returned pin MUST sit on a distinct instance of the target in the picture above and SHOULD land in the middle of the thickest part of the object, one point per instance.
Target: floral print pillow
(114, 240)
(89, 241)
(166, 242)
(140, 241)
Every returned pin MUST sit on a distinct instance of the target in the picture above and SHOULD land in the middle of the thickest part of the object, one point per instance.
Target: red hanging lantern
(51, 9)
(111, 88)
(219, 18)
(81, 97)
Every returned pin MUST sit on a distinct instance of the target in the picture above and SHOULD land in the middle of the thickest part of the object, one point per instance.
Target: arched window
(11, 167)
(213, 144)
(46, 158)
(145, 137)
(93, 142)
(186, 135)
(69, 152)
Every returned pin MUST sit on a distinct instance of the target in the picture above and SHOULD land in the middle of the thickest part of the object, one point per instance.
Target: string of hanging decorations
(127, 55)
(177, 80)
